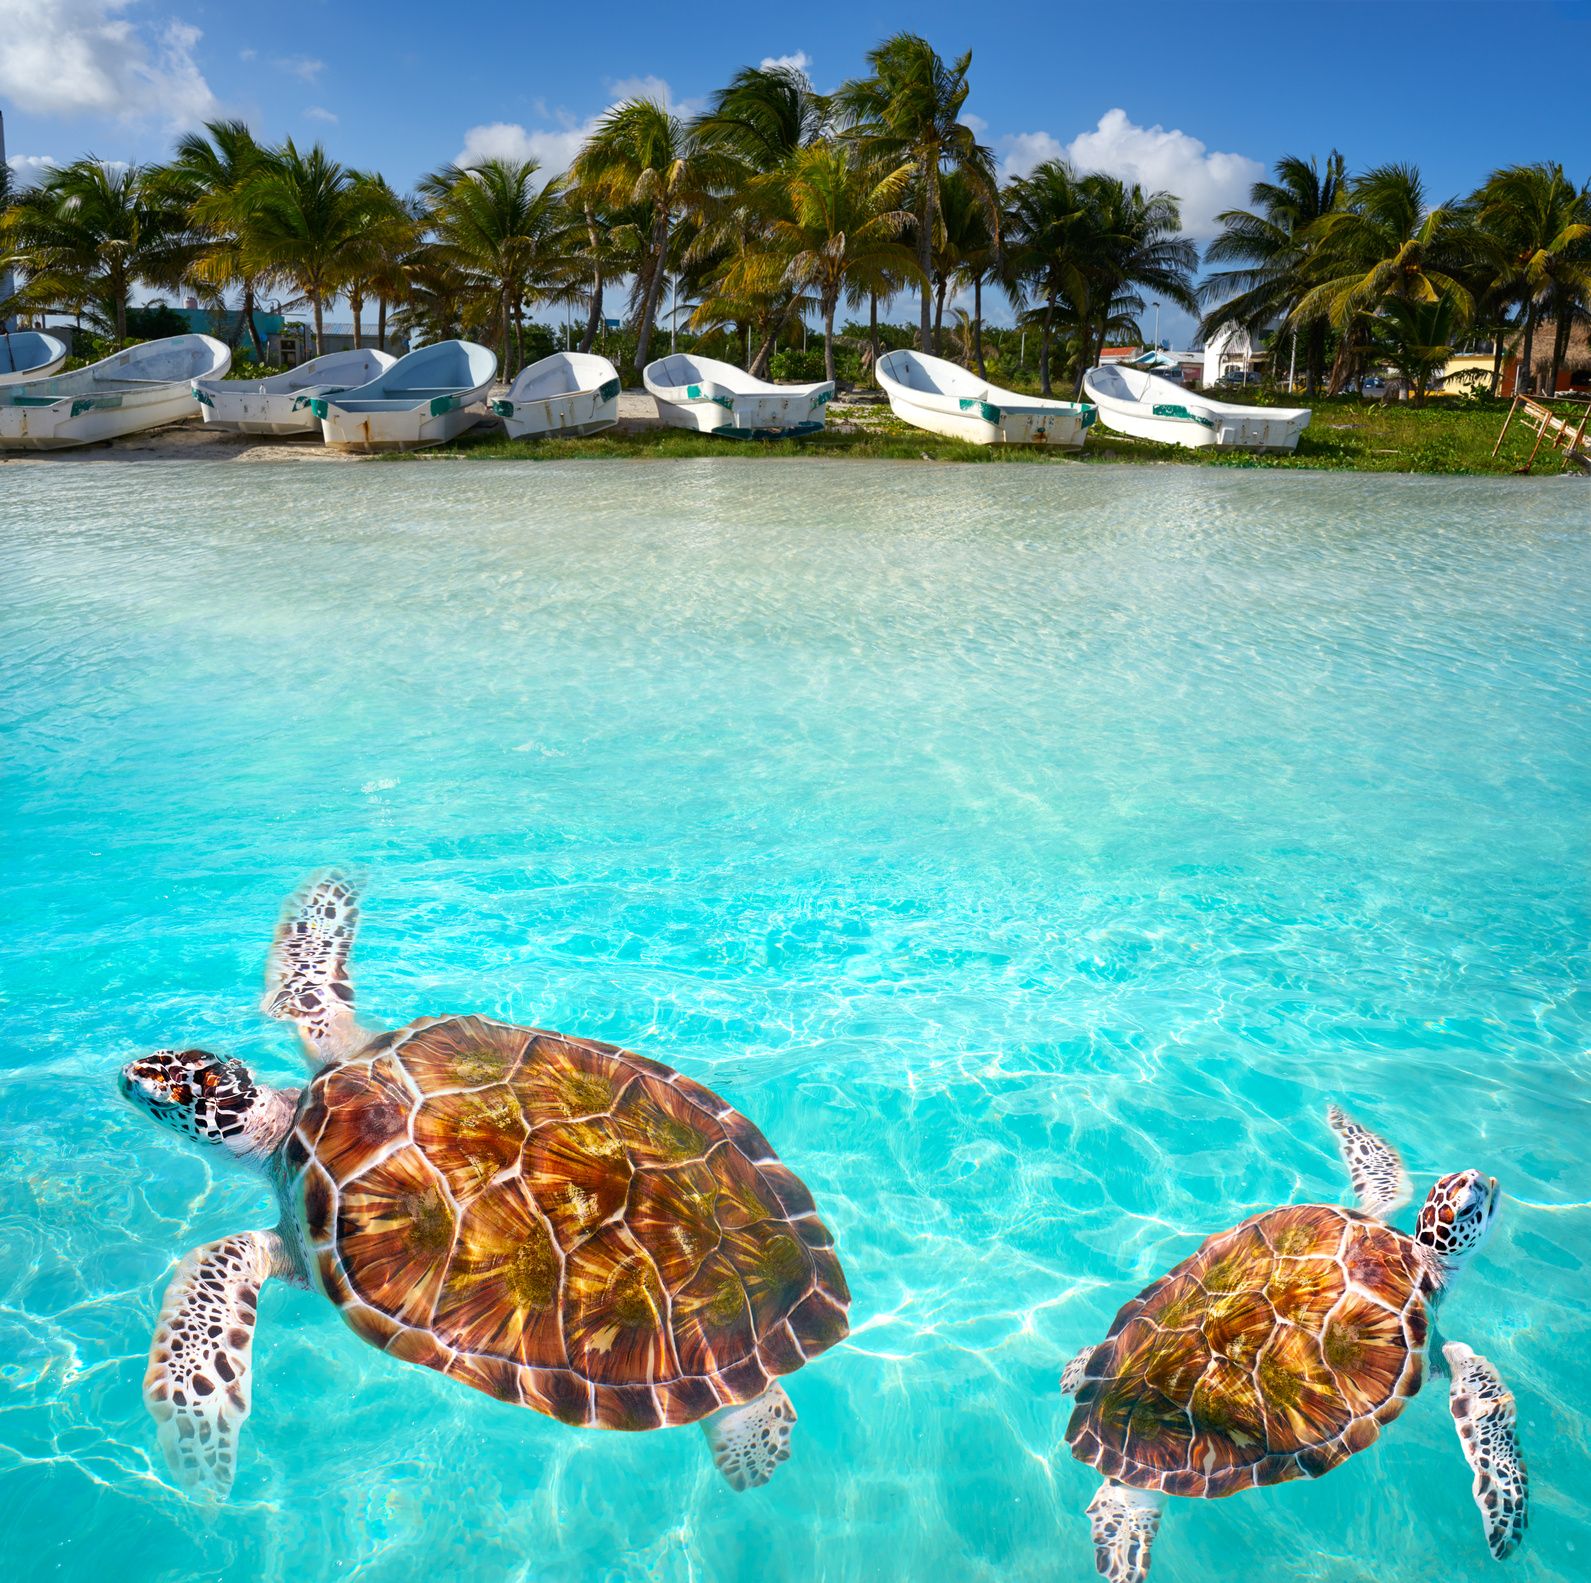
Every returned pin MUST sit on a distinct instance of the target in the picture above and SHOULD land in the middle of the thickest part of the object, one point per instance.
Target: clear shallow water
(1032, 853)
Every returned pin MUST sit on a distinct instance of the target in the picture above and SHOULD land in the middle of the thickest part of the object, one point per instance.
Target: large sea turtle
(1281, 1348)
(554, 1221)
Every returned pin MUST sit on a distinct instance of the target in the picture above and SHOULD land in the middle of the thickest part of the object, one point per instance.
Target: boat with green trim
(141, 388)
(28, 354)
(717, 398)
(569, 393)
(426, 398)
(280, 403)
(1131, 401)
(945, 398)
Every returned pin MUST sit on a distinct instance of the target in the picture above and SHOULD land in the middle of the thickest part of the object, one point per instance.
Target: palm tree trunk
(925, 244)
(121, 311)
(356, 306)
(1522, 372)
(759, 364)
(320, 337)
(1316, 357)
(939, 318)
(1562, 324)
(977, 324)
(381, 324)
(872, 313)
(654, 288)
(594, 318)
(248, 319)
(1044, 352)
(830, 299)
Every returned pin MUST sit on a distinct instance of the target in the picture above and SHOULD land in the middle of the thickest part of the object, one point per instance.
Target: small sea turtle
(554, 1221)
(1281, 1348)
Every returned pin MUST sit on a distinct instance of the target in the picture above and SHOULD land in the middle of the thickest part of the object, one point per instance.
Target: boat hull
(89, 420)
(734, 417)
(281, 403)
(1171, 416)
(943, 398)
(50, 352)
(353, 429)
(144, 387)
(254, 413)
(572, 415)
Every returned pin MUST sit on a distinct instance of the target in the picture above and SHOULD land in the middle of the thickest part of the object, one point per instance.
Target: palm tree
(640, 154)
(842, 230)
(1415, 337)
(1275, 244)
(495, 224)
(765, 115)
(210, 175)
(905, 115)
(1543, 224)
(310, 223)
(1048, 219)
(964, 251)
(1382, 240)
(385, 274)
(91, 229)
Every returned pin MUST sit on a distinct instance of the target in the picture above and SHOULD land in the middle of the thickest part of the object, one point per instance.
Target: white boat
(141, 388)
(425, 398)
(29, 354)
(567, 393)
(718, 398)
(280, 404)
(944, 398)
(1133, 402)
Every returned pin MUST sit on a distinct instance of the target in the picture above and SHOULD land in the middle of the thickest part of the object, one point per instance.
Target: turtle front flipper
(306, 977)
(197, 1386)
(1380, 1183)
(1484, 1415)
(1125, 1522)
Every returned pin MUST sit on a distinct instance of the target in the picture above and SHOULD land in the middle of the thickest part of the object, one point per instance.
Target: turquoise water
(1031, 852)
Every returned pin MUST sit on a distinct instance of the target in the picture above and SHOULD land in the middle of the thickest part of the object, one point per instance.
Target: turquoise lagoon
(1032, 852)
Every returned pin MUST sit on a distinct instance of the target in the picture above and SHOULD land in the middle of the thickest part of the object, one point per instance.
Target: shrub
(792, 367)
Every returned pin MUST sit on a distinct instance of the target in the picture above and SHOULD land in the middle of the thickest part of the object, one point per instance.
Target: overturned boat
(426, 398)
(569, 393)
(717, 398)
(944, 398)
(281, 403)
(141, 388)
(29, 354)
(1131, 401)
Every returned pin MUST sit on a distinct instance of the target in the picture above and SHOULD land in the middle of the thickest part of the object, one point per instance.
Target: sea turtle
(554, 1221)
(1281, 1348)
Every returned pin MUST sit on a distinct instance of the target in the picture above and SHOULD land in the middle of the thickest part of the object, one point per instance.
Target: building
(287, 342)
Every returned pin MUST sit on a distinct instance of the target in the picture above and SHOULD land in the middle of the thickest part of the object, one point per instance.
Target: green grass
(1345, 434)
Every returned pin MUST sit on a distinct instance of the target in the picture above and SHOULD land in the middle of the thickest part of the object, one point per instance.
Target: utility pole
(7, 280)
(1156, 307)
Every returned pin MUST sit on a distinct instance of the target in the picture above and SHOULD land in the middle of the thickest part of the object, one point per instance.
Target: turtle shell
(1275, 1352)
(559, 1223)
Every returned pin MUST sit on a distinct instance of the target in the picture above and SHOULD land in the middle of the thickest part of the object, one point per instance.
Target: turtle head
(1456, 1219)
(203, 1097)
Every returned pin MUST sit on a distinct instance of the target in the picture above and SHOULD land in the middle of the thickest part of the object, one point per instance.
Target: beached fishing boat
(141, 388)
(281, 403)
(429, 396)
(944, 398)
(1131, 401)
(29, 354)
(718, 398)
(568, 393)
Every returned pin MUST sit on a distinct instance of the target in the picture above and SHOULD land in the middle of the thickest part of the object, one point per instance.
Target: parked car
(1240, 376)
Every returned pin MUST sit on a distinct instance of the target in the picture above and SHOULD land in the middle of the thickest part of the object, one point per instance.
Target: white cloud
(246, 54)
(29, 167)
(556, 150)
(315, 113)
(302, 67)
(976, 122)
(800, 61)
(69, 57)
(1160, 161)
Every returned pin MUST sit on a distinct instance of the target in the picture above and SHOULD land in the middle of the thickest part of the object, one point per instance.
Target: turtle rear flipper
(750, 1441)
(306, 977)
(197, 1386)
(1125, 1522)
(1484, 1415)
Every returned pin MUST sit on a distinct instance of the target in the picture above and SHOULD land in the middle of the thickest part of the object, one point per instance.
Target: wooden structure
(1535, 416)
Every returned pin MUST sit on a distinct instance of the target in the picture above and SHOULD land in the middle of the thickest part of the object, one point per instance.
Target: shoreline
(1345, 435)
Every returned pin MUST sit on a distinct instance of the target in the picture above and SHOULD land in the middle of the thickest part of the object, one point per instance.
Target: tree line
(777, 203)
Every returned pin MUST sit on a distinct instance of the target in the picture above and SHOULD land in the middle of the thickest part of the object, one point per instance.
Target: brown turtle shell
(1275, 1352)
(559, 1223)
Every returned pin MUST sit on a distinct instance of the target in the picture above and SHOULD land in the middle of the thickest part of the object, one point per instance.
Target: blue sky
(1195, 98)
